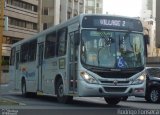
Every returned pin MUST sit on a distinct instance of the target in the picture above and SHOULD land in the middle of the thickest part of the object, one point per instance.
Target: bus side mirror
(77, 38)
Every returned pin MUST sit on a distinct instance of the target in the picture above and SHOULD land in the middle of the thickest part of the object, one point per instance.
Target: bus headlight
(139, 80)
(88, 78)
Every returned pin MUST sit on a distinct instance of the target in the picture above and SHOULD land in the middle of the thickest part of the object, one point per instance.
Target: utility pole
(1, 34)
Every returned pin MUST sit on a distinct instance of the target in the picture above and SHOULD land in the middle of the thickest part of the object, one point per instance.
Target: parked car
(152, 84)
(152, 92)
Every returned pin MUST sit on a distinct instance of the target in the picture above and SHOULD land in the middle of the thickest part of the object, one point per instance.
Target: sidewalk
(4, 101)
(4, 89)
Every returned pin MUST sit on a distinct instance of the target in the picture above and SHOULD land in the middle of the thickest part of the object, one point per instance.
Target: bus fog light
(139, 90)
(88, 78)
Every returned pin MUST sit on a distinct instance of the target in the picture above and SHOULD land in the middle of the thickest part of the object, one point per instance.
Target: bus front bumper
(97, 90)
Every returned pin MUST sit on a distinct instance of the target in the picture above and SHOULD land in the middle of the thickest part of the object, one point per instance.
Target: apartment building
(58, 11)
(71, 8)
(49, 14)
(151, 22)
(94, 6)
(21, 22)
(149, 25)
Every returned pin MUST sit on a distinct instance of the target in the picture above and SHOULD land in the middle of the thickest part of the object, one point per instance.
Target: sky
(131, 8)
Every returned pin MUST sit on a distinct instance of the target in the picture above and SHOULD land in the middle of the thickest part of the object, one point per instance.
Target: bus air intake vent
(115, 89)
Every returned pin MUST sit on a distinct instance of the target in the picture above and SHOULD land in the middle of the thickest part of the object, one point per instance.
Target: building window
(90, 3)
(45, 26)
(69, 15)
(45, 11)
(22, 4)
(14, 40)
(97, 5)
(22, 23)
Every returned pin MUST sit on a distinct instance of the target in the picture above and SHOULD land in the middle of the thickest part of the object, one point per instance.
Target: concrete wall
(158, 24)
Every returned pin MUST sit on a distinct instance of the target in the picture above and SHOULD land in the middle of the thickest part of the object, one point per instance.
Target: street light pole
(1, 34)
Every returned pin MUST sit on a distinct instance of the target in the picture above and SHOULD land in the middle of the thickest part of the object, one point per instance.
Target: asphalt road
(88, 105)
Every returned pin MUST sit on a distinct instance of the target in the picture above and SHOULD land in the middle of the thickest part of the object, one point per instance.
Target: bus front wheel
(112, 101)
(60, 93)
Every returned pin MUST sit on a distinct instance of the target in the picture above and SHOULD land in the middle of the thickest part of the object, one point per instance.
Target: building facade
(21, 17)
(151, 22)
(71, 8)
(148, 17)
(94, 6)
(49, 14)
(58, 11)
(20, 22)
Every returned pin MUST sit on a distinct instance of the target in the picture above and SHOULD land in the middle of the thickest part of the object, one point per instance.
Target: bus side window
(50, 45)
(24, 52)
(62, 38)
(32, 50)
(12, 58)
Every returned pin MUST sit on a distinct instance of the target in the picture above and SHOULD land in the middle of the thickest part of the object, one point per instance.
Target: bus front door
(40, 67)
(72, 64)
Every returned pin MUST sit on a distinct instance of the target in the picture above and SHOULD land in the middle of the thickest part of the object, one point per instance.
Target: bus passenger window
(50, 45)
(32, 50)
(24, 52)
(62, 36)
(12, 59)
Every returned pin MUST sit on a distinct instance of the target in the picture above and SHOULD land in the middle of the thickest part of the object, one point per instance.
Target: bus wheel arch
(58, 78)
(60, 91)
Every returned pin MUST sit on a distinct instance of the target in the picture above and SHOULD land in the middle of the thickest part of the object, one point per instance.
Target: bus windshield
(112, 49)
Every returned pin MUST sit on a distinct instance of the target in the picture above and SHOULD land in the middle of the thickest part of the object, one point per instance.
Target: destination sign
(112, 22)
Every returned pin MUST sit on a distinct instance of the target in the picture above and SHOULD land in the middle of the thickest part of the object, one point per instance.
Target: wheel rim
(60, 90)
(154, 95)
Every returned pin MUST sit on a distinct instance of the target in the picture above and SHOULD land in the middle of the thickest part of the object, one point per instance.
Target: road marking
(12, 99)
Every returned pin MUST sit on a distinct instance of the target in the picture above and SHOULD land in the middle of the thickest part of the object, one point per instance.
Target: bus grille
(115, 74)
(115, 89)
(119, 82)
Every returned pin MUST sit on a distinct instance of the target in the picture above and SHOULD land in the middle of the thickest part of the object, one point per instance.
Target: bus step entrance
(73, 86)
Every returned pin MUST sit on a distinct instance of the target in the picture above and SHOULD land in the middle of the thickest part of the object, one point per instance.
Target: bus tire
(112, 101)
(60, 93)
(23, 88)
